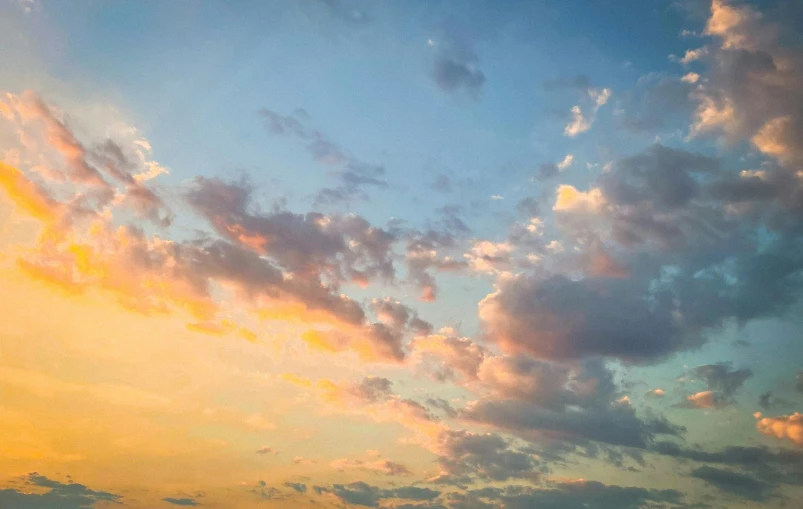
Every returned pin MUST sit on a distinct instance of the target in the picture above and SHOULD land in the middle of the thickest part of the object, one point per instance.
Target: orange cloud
(785, 427)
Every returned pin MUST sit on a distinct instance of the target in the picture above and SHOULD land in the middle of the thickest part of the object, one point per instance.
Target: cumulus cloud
(784, 427)
(752, 82)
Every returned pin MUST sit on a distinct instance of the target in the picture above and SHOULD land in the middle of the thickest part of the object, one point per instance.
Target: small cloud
(656, 393)
(181, 501)
(267, 450)
(567, 161)
(497, 197)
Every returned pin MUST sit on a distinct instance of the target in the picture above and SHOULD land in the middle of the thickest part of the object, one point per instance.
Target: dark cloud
(181, 501)
(297, 486)
(567, 495)
(363, 494)
(658, 101)
(57, 496)
(743, 485)
(558, 318)
(547, 171)
(721, 379)
(528, 207)
(489, 457)
(613, 425)
(442, 405)
(455, 68)
(662, 176)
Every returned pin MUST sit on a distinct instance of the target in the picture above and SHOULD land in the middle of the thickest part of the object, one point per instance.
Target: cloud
(736, 483)
(771, 466)
(363, 494)
(561, 495)
(559, 318)
(784, 427)
(751, 90)
(656, 393)
(297, 486)
(181, 501)
(703, 399)
(384, 467)
(57, 496)
(455, 69)
(721, 379)
(581, 123)
(488, 456)
(352, 174)
(265, 450)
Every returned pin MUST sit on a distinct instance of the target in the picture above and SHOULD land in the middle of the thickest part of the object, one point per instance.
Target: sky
(432, 255)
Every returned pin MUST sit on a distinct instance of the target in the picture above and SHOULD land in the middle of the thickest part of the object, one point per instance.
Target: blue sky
(549, 249)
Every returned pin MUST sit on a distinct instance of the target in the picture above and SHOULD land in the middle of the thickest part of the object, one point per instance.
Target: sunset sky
(401, 254)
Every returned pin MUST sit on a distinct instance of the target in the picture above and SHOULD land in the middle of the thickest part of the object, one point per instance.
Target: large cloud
(57, 495)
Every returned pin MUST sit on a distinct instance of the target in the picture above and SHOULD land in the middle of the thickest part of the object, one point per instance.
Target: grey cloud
(363, 494)
(485, 456)
(458, 70)
(547, 171)
(567, 495)
(736, 483)
(529, 207)
(181, 501)
(352, 174)
(537, 317)
(720, 378)
(614, 425)
(655, 103)
(58, 496)
(442, 405)
(662, 176)
(752, 77)
(341, 248)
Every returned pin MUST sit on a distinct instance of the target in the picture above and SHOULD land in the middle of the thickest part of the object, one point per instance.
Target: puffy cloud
(703, 399)
(265, 450)
(743, 485)
(788, 427)
(341, 248)
(656, 393)
(559, 318)
(488, 456)
(751, 90)
(447, 356)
